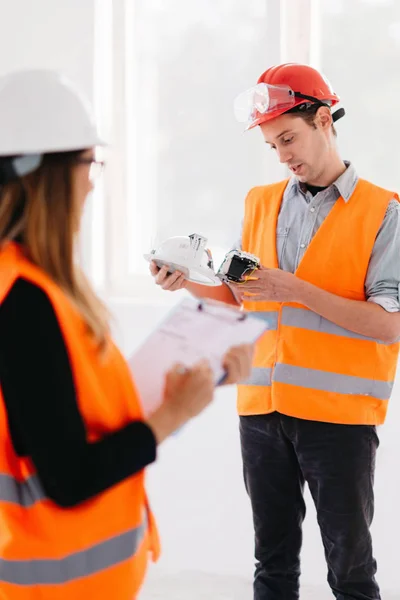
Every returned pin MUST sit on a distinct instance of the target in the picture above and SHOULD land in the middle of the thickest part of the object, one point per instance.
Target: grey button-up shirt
(301, 215)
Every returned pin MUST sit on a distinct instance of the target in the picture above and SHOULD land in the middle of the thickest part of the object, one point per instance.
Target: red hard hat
(305, 81)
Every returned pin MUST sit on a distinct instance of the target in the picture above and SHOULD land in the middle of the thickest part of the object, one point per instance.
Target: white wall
(49, 34)
(197, 491)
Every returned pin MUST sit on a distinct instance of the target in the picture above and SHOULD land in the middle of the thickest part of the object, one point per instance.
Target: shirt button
(312, 209)
(302, 245)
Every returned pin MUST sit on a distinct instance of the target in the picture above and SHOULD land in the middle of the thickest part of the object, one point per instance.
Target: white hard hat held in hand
(188, 255)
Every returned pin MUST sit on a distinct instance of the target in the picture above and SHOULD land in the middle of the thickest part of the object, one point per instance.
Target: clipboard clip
(201, 306)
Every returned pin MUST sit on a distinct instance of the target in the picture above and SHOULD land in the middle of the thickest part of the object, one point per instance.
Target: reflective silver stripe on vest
(271, 317)
(320, 380)
(307, 319)
(332, 382)
(80, 564)
(25, 493)
(259, 376)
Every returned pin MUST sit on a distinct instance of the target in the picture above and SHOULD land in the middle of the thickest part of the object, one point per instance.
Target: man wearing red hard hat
(328, 243)
(287, 88)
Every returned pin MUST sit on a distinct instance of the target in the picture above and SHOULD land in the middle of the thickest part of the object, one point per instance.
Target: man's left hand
(269, 285)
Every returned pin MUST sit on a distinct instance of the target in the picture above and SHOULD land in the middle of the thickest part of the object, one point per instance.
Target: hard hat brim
(200, 275)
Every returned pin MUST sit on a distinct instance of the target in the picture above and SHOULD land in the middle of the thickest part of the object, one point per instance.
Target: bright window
(166, 76)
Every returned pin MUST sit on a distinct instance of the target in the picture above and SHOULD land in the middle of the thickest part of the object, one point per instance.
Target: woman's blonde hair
(40, 212)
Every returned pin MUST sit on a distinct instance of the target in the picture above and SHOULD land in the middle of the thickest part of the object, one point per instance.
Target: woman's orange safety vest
(100, 548)
(306, 366)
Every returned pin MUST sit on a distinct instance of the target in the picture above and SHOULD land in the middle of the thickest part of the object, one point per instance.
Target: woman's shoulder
(25, 297)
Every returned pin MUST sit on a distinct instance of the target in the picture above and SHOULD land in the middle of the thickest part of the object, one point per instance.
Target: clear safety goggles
(264, 98)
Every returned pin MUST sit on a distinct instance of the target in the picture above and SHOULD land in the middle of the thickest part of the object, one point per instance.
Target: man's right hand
(176, 281)
(171, 283)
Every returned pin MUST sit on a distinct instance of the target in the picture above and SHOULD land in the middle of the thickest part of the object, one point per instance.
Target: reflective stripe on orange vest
(74, 566)
(99, 548)
(23, 493)
(306, 366)
(320, 380)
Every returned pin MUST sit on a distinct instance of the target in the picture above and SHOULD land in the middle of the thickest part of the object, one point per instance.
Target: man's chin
(302, 178)
(300, 172)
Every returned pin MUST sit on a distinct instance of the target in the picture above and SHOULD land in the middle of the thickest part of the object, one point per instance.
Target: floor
(196, 586)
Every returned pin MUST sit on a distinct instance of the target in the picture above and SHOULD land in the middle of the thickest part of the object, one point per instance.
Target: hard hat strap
(311, 98)
(338, 114)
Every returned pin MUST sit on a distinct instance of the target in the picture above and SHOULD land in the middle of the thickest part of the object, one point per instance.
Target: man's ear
(323, 118)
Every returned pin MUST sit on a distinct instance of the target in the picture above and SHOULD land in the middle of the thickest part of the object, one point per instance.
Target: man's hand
(269, 285)
(171, 283)
(366, 318)
(176, 281)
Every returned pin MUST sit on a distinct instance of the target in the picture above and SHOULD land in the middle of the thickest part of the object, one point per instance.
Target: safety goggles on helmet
(264, 98)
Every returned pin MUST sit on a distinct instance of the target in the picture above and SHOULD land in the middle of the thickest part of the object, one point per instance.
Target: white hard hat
(42, 112)
(188, 255)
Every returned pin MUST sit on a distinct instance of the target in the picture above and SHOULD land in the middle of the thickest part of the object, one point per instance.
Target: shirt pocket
(282, 234)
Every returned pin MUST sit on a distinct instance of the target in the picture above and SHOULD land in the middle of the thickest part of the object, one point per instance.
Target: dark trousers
(279, 454)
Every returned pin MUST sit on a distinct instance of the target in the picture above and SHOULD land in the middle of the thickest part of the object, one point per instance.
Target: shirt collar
(344, 184)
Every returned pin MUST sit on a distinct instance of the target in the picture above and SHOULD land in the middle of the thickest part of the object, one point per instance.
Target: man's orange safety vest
(306, 366)
(100, 548)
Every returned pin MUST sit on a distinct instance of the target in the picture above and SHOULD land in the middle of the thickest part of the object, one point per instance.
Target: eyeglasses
(96, 166)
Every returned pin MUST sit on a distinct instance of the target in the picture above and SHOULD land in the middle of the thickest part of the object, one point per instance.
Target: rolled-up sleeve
(382, 284)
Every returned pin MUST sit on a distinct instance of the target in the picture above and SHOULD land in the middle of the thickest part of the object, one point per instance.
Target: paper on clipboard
(191, 331)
